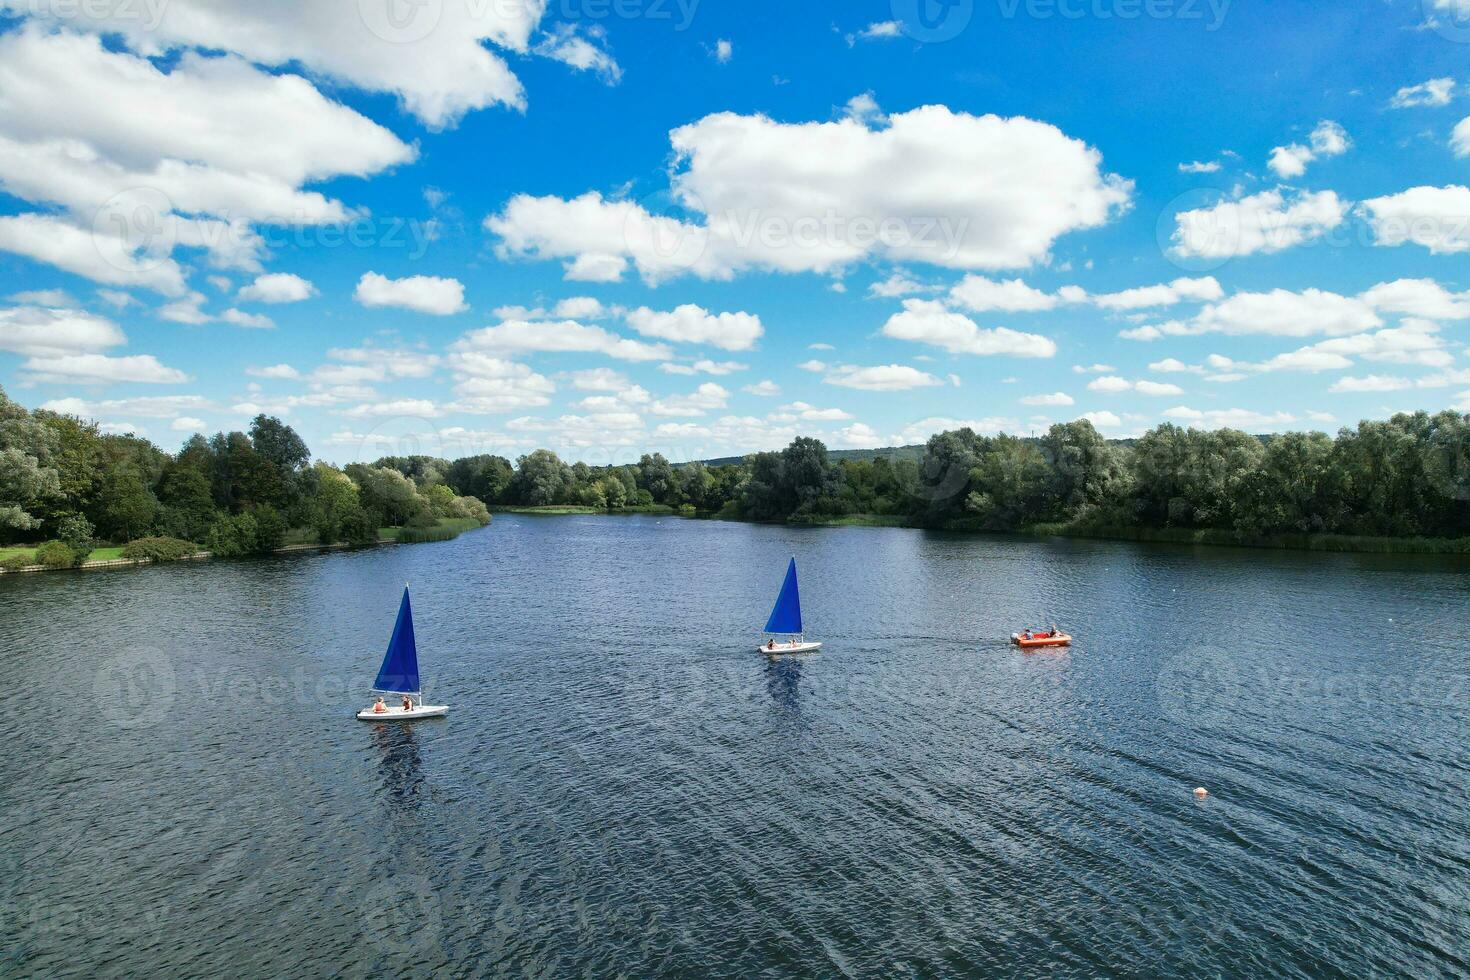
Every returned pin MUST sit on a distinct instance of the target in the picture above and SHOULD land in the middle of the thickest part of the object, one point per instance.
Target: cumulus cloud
(100, 369)
(763, 389)
(1270, 221)
(982, 295)
(189, 157)
(276, 287)
(584, 50)
(724, 51)
(40, 332)
(1328, 140)
(886, 377)
(560, 336)
(1231, 418)
(707, 397)
(1165, 294)
(929, 322)
(1055, 399)
(423, 294)
(933, 185)
(432, 56)
(690, 324)
(487, 385)
(278, 372)
(250, 321)
(1435, 92)
(1437, 218)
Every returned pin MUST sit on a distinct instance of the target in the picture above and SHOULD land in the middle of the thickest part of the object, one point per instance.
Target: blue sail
(786, 616)
(400, 671)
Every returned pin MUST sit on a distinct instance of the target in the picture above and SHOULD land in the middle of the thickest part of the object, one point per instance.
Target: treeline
(1406, 477)
(66, 483)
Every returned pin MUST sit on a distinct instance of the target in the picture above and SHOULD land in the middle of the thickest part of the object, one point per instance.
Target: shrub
(16, 563)
(270, 529)
(231, 537)
(687, 510)
(159, 549)
(56, 554)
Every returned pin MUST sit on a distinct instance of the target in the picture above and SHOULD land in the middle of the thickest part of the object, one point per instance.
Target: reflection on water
(625, 787)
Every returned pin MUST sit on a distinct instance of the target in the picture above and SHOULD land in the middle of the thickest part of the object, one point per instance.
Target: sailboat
(786, 620)
(399, 675)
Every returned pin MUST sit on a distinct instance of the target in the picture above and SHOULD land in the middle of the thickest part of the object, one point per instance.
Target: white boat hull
(781, 648)
(398, 714)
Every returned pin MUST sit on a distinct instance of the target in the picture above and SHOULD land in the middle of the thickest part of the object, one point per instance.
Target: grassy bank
(1234, 539)
(447, 529)
(107, 553)
(856, 520)
(563, 510)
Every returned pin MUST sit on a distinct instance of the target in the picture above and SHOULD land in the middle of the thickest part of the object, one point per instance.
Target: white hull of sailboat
(398, 714)
(783, 648)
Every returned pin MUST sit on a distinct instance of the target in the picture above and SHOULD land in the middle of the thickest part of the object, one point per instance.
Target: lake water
(625, 787)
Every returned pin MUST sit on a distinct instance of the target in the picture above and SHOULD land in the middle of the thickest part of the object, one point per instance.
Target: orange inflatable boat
(1037, 640)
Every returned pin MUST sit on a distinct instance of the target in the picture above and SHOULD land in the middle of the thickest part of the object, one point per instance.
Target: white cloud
(115, 298)
(148, 406)
(1270, 221)
(1110, 384)
(690, 324)
(393, 362)
(898, 284)
(486, 385)
(1232, 418)
(203, 150)
(1198, 167)
(724, 51)
(1103, 420)
(1284, 314)
(886, 377)
(763, 389)
(1327, 140)
(1056, 398)
(276, 287)
(813, 365)
(928, 322)
(935, 186)
(58, 298)
(185, 309)
(1435, 92)
(187, 423)
(1155, 389)
(431, 55)
(423, 294)
(1438, 218)
(253, 321)
(37, 332)
(279, 372)
(982, 295)
(599, 379)
(583, 50)
(93, 253)
(882, 30)
(801, 411)
(1371, 383)
(1093, 369)
(1164, 294)
(101, 369)
(864, 109)
(707, 397)
(1418, 297)
(705, 366)
(858, 436)
(561, 336)
(420, 408)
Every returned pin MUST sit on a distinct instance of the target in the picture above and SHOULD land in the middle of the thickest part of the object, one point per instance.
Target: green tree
(126, 507)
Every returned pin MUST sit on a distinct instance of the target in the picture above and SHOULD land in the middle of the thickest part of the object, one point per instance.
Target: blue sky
(702, 228)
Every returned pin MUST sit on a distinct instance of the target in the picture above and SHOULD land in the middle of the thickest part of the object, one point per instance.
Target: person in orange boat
(379, 707)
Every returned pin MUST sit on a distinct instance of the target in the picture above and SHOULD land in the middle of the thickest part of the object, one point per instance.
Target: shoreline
(1210, 537)
(105, 564)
